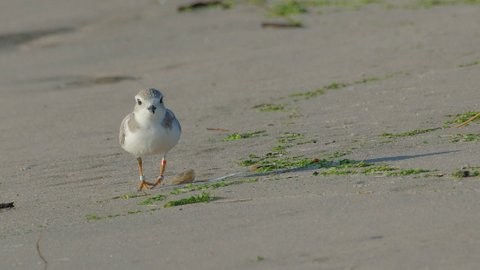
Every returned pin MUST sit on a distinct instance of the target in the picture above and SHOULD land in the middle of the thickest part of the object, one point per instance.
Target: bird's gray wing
(128, 122)
(169, 120)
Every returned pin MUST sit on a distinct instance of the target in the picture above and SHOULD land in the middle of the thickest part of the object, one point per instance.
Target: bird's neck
(145, 119)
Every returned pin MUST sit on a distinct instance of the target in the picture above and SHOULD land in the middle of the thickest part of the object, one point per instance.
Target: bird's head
(149, 103)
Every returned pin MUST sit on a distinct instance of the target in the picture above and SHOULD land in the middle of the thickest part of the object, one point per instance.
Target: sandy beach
(337, 137)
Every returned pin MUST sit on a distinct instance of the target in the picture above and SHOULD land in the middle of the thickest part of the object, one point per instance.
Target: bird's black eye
(161, 100)
(139, 102)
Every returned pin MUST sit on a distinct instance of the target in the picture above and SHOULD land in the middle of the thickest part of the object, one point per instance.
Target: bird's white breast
(150, 138)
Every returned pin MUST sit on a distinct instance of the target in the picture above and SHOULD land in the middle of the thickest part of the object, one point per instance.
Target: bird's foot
(144, 184)
(159, 180)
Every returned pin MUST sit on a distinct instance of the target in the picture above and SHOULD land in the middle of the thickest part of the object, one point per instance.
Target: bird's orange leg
(469, 120)
(160, 178)
(143, 183)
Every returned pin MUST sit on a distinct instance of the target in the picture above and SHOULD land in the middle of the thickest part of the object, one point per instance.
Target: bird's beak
(152, 109)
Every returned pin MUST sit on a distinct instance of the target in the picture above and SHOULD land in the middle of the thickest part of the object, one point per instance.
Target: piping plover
(151, 129)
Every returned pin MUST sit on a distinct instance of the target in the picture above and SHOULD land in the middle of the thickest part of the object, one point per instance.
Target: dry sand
(68, 74)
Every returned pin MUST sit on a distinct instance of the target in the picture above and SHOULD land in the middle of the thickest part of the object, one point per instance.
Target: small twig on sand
(218, 129)
(233, 200)
(468, 121)
(202, 4)
(45, 263)
(37, 245)
(6, 205)
(282, 25)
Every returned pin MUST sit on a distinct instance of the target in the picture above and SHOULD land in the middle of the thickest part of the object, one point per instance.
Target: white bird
(151, 129)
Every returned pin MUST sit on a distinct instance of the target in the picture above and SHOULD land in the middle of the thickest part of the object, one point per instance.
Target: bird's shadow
(373, 160)
(311, 167)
